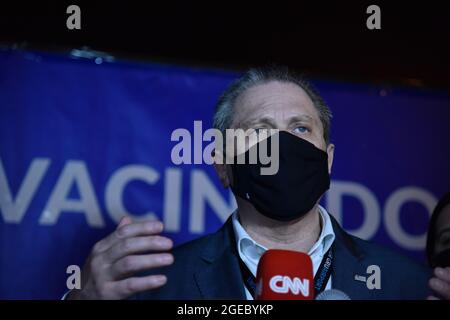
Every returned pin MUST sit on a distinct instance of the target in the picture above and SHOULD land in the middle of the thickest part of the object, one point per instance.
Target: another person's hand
(440, 284)
(109, 272)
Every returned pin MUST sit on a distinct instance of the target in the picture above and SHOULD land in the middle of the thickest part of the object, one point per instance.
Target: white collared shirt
(250, 252)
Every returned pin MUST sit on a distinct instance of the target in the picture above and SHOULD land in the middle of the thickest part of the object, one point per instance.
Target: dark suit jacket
(208, 268)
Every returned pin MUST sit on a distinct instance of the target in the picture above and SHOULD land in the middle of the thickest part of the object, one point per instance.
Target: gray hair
(223, 115)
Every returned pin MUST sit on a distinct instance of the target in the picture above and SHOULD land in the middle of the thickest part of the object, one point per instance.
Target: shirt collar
(253, 251)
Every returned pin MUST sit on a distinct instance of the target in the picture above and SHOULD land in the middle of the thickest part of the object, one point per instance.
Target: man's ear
(330, 151)
(221, 167)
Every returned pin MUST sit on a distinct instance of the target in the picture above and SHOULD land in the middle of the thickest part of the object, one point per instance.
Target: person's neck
(297, 235)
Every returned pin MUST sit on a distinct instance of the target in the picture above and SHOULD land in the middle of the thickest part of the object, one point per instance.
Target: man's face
(282, 106)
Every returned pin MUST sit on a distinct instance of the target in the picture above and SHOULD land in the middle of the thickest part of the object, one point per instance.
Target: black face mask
(442, 259)
(293, 191)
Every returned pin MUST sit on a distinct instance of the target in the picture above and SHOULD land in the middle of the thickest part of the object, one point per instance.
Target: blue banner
(83, 143)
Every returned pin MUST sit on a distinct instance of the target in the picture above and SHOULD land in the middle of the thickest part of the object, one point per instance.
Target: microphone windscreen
(284, 275)
(332, 294)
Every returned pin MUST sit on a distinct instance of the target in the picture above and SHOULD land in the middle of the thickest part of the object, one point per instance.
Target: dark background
(322, 38)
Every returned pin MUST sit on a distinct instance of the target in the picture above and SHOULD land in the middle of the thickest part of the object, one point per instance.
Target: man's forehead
(274, 100)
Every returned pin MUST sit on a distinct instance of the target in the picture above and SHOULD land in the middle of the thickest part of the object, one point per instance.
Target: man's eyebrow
(263, 120)
(301, 118)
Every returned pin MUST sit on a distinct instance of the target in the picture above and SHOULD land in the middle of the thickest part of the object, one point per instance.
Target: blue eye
(301, 130)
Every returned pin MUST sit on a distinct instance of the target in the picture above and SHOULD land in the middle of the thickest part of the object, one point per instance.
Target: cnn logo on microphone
(284, 284)
(285, 275)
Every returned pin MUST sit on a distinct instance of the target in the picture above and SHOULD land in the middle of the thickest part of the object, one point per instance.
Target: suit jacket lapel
(218, 276)
(348, 263)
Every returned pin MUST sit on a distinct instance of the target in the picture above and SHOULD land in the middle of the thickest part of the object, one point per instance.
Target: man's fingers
(443, 274)
(132, 264)
(124, 221)
(130, 286)
(135, 245)
(442, 288)
(146, 228)
(441, 282)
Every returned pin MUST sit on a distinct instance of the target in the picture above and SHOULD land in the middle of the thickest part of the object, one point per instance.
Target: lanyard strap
(320, 279)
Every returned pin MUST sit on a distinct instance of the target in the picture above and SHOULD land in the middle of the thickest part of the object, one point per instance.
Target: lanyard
(320, 279)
